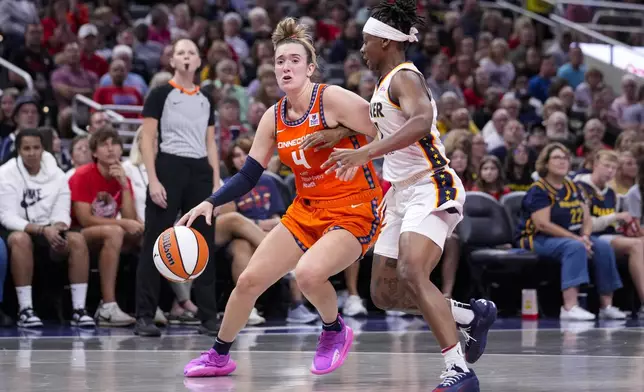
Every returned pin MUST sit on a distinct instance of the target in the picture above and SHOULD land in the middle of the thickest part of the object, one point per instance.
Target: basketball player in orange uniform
(332, 221)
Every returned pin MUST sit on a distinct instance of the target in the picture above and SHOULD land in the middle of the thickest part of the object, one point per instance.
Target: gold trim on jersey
(432, 154)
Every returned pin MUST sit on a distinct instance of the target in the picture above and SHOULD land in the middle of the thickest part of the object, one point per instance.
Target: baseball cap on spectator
(24, 100)
(86, 30)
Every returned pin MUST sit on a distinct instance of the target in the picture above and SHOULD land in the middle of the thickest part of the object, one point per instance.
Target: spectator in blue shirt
(573, 71)
(540, 84)
(556, 223)
(264, 203)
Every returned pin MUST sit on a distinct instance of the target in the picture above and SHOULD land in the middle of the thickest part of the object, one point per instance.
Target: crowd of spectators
(506, 90)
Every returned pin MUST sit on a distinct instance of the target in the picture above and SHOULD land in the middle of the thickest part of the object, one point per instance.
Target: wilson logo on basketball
(180, 253)
(166, 248)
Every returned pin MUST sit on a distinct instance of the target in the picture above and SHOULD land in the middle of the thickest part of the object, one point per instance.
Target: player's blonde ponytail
(289, 31)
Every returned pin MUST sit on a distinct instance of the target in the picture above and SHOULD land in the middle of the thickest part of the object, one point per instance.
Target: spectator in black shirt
(519, 168)
(34, 58)
(7, 104)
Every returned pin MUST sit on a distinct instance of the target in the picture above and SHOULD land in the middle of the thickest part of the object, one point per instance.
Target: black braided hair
(399, 14)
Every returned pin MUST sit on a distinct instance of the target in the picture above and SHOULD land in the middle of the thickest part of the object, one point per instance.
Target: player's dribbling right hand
(205, 209)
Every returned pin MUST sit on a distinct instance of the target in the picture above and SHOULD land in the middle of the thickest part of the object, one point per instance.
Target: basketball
(180, 254)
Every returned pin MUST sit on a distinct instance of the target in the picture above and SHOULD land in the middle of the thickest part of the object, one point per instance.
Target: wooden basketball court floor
(388, 355)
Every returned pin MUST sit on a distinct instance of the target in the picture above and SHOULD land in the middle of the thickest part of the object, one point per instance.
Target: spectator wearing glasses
(35, 219)
(556, 223)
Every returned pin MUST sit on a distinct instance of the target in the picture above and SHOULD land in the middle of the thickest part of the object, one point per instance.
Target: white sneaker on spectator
(576, 313)
(342, 298)
(27, 319)
(159, 318)
(110, 315)
(354, 306)
(301, 315)
(395, 313)
(611, 313)
(80, 318)
(640, 314)
(255, 318)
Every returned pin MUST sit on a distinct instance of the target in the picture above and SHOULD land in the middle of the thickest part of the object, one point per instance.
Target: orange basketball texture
(180, 253)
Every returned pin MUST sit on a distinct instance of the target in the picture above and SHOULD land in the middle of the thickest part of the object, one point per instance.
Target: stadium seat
(486, 233)
(512, 204)
(283, 187)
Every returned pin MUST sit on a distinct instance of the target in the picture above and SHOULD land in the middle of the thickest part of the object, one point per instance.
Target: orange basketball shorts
(308, 221)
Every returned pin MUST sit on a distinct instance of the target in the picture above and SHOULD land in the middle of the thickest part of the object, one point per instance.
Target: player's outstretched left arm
(408, 88)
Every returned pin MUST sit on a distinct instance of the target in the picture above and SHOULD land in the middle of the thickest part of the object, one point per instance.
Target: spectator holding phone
(35, 215)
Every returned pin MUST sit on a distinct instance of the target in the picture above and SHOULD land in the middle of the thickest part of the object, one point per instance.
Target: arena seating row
(488, 234)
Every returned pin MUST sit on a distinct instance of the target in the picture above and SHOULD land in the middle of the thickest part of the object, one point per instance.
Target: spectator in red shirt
(61, 23)
(99, 192)
(475, 95)
(229, 126)
(117, 93)
(69, 80)
(159, 31)
(90, 61)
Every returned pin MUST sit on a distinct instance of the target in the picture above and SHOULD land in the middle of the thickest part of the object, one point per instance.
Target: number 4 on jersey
(300, 159)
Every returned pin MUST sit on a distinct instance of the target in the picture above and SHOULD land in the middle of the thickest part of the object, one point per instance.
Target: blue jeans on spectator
(574, 262)
(4, 261)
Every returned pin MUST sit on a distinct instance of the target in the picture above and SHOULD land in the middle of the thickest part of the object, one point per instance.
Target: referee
(183, 173)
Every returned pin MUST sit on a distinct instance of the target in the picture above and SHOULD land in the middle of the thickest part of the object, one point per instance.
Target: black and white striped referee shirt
(184, 117)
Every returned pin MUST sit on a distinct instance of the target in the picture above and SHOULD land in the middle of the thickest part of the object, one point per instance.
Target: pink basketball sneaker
(333, 348)
(210, 364)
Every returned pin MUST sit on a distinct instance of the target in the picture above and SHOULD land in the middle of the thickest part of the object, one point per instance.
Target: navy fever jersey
(566, 209)
(600, 203)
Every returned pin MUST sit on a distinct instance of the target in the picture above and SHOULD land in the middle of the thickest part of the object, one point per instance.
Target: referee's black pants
(187, 182)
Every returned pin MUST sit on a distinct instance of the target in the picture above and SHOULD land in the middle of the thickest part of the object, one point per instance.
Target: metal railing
(599, 4)
(524, 12)
(597, 36)
(18, 71)
(612, 28)
(126, 126)
(613, 9)
(559, 24)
